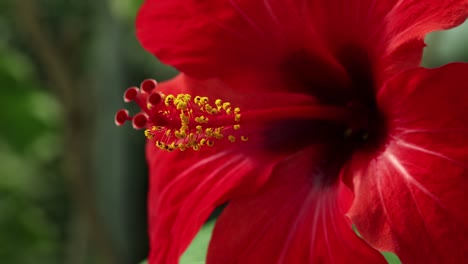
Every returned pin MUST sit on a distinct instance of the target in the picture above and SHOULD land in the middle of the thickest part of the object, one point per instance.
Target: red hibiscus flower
(305, 117)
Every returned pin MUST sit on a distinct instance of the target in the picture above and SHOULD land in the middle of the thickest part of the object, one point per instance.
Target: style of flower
(305, 117)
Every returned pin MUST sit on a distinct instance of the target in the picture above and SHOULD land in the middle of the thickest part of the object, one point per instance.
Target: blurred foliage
(32, 198)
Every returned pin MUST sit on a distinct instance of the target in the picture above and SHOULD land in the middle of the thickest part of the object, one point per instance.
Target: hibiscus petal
(413, 19)
(206, 38)
(295, 218)
(409, 22)
(411, 198)
(185, 187)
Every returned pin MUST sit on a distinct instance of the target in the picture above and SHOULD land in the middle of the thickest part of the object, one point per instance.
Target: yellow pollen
(219, 104)
(226, 105)
(202, 142)
(148, 134)
(209, 132)
(182, 122)
(182, 147)
(196, 147)
(169, 100)
(201, 119)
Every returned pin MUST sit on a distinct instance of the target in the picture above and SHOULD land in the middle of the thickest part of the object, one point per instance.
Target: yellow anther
(228, 111)
(184, 119)
(167, 148)
(181, 105)
(182, 147)
(243, 138)
(204, 100)
(226, 105)
(161, 145)
(237, 117)
(199, 129)
(168, 132)
(148, 134)
(217, 133)
(202, 142)
(208, 108)
(218, 102)
(171, 146)
(149, 105)
(197, 99)
(180, 134)
(236, 127)
(209, 143)
(232, 138)
(196, 147)
(169, 100)
(201, 119)
(209, 132)
(236, 110)
(191, 137)
(214, 111)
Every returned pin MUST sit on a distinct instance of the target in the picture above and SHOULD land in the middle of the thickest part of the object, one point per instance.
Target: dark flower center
(349, 84)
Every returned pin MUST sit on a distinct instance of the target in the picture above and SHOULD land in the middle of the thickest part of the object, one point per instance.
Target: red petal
(185, 189)
(205, 38)
(412, 198)
(293, 219)
(413, 19)
(409, 22)
(186, 186)
(216, 38)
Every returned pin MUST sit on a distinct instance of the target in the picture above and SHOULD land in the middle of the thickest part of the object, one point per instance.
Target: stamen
(178, 121)
(182, 121)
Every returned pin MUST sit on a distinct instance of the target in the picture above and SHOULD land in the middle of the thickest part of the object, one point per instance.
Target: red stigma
(148, 85)
(154, 98)
(130, 94)
(121, 117)
(146, 98)
(139, 121)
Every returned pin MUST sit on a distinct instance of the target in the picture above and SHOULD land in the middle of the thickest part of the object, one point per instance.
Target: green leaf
(196, 252)
(391, 258)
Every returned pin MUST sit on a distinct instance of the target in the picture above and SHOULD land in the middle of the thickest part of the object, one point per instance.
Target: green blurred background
(72, 185)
